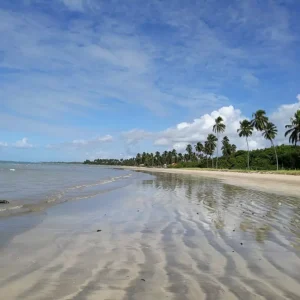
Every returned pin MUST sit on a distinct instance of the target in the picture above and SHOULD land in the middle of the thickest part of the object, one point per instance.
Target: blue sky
(90, 78)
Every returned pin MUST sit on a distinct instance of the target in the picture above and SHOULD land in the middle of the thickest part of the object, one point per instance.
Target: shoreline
(282, 184)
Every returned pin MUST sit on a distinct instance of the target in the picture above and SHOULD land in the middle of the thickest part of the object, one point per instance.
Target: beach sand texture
(168, 236)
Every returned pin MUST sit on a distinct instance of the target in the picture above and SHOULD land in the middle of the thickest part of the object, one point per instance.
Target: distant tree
(269, 133)
(152, 159)
(246, 130)
(174, 156)
(169, 157)
(226, 147)
(180, 157)
(211, 144)
(219, 127)
(144, 157)
(164, 157)
(186, 157)
(233, 149)
(199, 149)
(294, 129)
(138, 159)
(206, 151)
(189, 150)
(157, 158)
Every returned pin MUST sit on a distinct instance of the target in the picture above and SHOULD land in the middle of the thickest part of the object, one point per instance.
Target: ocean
(33, 187)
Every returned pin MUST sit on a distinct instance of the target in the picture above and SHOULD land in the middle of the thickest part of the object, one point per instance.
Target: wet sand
(272, 183)
(168, 236)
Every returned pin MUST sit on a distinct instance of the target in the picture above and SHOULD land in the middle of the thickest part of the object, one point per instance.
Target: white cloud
(281, 117)
(184, 133)
(23, 143)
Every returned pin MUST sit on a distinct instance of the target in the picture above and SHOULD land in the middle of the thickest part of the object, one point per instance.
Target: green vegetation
(284, 157)
(294, 129)
(246, 130)
(219, 127)
(260, 159)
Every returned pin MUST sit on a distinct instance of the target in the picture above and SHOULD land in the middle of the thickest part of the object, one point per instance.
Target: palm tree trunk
(275, 154)
(217, 150)
(207, 161)
(212, 162)
(248, 153)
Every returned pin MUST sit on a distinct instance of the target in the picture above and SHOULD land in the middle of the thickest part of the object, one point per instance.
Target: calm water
(32, 187)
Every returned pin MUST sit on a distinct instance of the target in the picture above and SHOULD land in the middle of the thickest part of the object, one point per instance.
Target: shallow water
(163, 236)
(34, 187)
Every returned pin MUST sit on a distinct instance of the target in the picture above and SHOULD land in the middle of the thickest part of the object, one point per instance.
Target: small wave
(11, 208)
(60, 195)
(113, 179)
(63, 196)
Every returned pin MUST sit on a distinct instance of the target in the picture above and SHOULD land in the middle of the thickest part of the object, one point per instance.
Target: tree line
(201, 154)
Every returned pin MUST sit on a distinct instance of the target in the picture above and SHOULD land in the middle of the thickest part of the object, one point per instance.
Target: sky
(86, 79)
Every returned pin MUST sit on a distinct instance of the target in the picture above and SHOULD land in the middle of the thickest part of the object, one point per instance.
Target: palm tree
(164, 157)
(157, 158)
(211, 144)
(194, 156)
(260, 120)
(170, 157)
(151, 159)
(144, 157)
(294, 129)
(189, 150)
(269, 133)
(138, 159)
(199, 148)
(206, 151)
(174, 155)
(219, 127)
(246, 130)
(226, 147)
(233, 149)
(180, 157)
(186, 157)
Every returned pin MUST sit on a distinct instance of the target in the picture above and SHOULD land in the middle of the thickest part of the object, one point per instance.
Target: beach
(165, 234)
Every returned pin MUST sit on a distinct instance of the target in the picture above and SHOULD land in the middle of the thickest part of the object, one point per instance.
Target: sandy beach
(166, 235)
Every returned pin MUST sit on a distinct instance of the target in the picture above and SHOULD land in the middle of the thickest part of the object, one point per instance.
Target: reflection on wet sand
(166, 237)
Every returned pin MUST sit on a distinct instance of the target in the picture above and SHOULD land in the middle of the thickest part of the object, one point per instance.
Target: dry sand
(172, 237)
